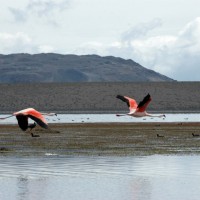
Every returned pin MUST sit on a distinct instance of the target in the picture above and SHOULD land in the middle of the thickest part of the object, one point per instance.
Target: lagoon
(112, 118)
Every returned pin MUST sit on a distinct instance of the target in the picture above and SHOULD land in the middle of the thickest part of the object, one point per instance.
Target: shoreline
(96, 139)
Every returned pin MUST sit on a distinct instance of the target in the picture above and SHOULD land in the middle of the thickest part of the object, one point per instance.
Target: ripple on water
(54, 165)
(104, 177)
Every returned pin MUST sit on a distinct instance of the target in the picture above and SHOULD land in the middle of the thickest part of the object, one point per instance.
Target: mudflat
(119, 139)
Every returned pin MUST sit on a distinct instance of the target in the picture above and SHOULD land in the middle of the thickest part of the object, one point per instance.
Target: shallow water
(92, 118)
(54, 177)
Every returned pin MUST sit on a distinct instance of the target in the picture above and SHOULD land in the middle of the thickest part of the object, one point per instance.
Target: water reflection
(22, 184)
(30, 188)
(139, 178)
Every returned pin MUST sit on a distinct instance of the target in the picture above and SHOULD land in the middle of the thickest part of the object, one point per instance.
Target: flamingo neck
(49, 114)
(7, 117)
(159, 116)
(119, 115)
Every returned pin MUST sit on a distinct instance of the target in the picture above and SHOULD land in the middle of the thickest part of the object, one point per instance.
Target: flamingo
(137, 110)
(23, 115)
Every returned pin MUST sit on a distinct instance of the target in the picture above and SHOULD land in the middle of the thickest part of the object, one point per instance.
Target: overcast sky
(162, 35)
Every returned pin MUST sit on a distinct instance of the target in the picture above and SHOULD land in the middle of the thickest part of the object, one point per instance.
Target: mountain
(19, 68)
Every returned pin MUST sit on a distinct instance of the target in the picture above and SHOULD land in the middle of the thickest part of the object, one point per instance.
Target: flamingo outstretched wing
(39, 121)
(37, 117)
(144, 103)
(131, 103)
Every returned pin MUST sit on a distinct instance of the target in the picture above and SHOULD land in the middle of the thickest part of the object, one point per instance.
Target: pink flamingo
(137, 110)
(23, 115)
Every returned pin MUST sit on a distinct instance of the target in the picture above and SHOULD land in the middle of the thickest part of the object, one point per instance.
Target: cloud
(40, 9)
(141, 30)
(45, 49)
(19, 15)
(176, 56)
(13, 43)
(21, 43)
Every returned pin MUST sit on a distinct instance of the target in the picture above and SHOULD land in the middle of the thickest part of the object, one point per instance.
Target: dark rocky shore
(99, 97)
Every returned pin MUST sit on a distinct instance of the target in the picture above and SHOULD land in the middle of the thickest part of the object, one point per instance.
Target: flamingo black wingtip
(121, 98)
(118, 96)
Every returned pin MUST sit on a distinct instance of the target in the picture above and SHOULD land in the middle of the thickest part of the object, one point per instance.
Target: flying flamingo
(137, 110)
(23, 115)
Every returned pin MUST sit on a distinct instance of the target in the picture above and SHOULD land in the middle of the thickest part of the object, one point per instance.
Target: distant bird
(137, 110)
(195, 135)
(32, 126)
(23, 115)
(160, 135)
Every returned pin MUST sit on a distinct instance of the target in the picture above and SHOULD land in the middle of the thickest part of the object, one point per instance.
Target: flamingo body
(137, 110)
(23, 115)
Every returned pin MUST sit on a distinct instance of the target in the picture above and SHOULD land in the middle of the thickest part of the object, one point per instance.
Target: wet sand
(122, 139)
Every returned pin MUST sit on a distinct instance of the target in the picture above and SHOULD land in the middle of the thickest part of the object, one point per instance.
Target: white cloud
(21, 43)
(46, 49)
(141, 30)
(14, 43)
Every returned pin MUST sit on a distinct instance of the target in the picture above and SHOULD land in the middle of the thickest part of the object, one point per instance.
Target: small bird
(195, 135)
(160, 135)
(137, 110)
(32, 126)
(23, 115)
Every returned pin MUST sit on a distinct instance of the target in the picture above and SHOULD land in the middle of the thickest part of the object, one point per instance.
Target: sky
(162, 35)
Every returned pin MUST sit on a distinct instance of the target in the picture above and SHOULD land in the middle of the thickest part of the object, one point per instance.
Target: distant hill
(19, 68)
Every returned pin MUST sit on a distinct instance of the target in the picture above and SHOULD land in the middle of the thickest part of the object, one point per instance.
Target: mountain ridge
(52, 67)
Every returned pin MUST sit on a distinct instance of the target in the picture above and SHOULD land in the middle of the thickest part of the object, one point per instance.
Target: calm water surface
(91, 118)
(53, 177)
